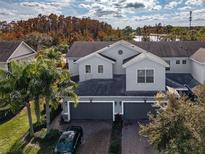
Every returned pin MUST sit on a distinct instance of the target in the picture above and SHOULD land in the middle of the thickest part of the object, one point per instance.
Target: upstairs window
(184, 61)
(141, 76)
(149, 76)
(145, 76)
(100, 68)
(177, 61)
(87, 69)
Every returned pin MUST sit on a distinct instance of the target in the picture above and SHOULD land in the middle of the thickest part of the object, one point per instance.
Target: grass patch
(14, 129)
(116, 136)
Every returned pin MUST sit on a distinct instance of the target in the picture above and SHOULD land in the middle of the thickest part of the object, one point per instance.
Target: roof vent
(120, 52)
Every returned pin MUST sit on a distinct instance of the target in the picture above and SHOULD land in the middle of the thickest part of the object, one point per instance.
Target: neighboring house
(14, 50)
(123, 78)
(154, 38)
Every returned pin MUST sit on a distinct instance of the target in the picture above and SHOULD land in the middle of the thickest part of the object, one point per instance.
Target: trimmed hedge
(7, 114)
(53, 135)
(115, 144)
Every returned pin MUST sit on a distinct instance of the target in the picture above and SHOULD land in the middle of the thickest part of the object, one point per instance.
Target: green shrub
(6, 113)
(53, 135)
(31, 149)
(115, 147)
(115, 144)
(39, 126)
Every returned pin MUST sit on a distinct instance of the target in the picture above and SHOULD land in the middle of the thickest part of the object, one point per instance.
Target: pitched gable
(7, 48)
(199, 56)
(22, 50)
(146, 55)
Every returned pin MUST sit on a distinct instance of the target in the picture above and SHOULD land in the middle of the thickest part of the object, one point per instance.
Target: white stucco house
(123, 78)
(14, 50)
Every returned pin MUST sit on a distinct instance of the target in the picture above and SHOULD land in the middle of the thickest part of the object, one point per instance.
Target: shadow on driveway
(133, 143)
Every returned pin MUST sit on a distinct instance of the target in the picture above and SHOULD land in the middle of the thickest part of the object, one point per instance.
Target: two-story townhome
(123, 78)
(14, 50)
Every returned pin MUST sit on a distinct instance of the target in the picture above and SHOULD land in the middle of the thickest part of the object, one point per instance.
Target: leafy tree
(179, 125)
(15, 84)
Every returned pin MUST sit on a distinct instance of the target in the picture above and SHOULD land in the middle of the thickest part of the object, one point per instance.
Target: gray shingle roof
(7, 48)
(117, 86)
(199, 55)
(108, 87)
(178, 80)
(162, 49)
(83, 48)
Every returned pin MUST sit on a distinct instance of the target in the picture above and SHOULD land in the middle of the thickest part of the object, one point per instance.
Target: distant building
(154, 38)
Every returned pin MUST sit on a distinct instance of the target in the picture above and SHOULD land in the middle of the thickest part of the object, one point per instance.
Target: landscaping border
(116, 136)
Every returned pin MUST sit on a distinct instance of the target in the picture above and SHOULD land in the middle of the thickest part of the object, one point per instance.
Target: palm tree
(36, 90)
(15, 83)
(55, 83)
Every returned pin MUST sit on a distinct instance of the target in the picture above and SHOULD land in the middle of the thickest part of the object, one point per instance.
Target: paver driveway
(96, 139)
(133, 143)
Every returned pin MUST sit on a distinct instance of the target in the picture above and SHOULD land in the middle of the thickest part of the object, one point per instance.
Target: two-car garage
(105, 110)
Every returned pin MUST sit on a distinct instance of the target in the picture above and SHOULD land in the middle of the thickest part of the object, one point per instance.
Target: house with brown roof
(123, 78)
(14, 50)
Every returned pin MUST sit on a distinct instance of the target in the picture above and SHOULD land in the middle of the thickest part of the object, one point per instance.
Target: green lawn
(12, 130)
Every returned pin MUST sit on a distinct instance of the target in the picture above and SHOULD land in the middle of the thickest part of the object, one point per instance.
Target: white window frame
(102, 69)
(145, 69)
(90, 69)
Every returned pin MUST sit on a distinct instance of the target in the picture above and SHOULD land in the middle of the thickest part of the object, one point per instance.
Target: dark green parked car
(69, 140)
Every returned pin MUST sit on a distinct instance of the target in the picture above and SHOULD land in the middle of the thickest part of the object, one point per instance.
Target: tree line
(49, 30)
(57, 29)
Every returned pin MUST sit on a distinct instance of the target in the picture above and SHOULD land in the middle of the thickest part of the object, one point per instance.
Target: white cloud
(194, 2)
(172, 4)
(54, 6)
(118, 8)
(184, 8)
(6, 12)
(150, 18)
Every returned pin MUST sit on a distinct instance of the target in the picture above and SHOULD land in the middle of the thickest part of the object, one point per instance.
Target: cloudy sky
(118, 13)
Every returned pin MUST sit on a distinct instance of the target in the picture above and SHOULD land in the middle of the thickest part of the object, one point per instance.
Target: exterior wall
(198, 71)
(113, 53)
(27, 58)
(94, 62)
(179, 68)
(159, 77)
(22, 50)
(4, 66)
(73, 67)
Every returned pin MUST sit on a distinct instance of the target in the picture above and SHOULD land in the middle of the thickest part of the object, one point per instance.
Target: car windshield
(66, 141)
